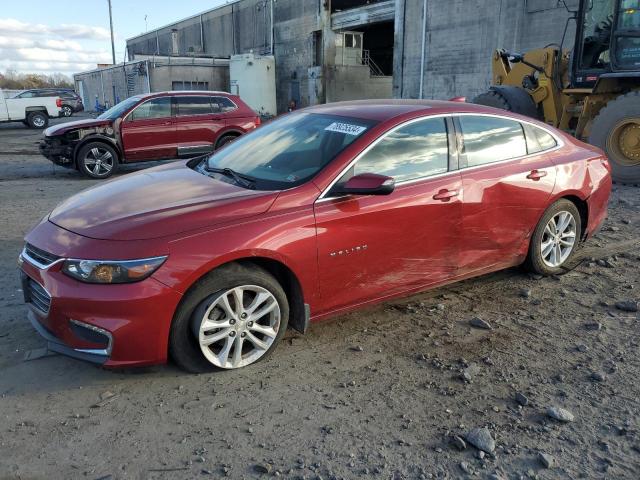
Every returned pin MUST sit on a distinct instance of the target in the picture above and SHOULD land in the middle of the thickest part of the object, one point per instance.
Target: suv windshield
(118, 109)
(288, 151)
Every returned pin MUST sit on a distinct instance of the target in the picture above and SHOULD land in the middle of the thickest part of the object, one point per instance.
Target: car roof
(383, 110)
(184, 92)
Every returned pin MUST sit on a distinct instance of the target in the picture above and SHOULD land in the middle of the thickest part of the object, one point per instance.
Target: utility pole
(113, 48)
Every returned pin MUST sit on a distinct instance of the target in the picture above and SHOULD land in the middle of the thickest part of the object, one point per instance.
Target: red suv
(155, 126)
(316, 213)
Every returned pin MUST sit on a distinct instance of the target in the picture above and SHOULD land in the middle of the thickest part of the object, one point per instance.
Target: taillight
(257, 121)
(58, 102)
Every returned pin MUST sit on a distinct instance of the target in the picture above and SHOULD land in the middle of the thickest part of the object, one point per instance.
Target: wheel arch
(235, 132)
(580, 201)
(283, 273)
(96, 138)
(583, 209)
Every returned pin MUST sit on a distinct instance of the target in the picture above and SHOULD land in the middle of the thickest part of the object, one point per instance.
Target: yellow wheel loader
(592, 90)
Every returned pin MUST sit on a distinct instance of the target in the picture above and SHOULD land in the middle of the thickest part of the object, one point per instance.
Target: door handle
(536, 175)
(445, 195)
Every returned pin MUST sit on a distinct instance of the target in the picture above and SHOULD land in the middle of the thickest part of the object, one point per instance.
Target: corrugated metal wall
(112, 85)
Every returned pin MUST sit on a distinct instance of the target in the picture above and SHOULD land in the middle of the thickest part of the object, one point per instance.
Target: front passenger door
(371, 247)
(148, 131)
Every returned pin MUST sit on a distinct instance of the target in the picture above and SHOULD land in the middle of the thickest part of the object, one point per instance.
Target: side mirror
(366, 184)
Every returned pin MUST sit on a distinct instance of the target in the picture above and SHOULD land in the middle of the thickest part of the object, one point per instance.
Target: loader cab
(607, 40)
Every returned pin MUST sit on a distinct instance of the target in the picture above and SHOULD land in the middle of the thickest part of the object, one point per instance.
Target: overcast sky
(69, 36)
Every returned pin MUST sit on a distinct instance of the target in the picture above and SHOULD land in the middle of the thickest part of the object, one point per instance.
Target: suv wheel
(97, 160)
(555, 239)
(37, 120)
(67, 111)
(233, 318)
(225, 139)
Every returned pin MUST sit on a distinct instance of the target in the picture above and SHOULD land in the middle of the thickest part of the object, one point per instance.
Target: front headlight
(117, 271)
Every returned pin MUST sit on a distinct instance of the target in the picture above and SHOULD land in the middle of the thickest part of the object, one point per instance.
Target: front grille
(37, 296)
(44, 259)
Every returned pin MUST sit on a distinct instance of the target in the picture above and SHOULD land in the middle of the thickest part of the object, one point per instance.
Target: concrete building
(112, 84)
(445, 50)
(331, 50)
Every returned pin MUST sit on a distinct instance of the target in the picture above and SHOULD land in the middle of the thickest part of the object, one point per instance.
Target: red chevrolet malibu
(319, 212)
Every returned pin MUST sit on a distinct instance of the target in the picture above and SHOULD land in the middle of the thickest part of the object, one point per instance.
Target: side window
(491, 139)
(224, 104)
(27, 95)
(417, 150)
(189, 105)
(156, 108)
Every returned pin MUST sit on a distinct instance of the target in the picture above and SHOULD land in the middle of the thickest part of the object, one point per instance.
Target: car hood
(157, 202)
(75, 125)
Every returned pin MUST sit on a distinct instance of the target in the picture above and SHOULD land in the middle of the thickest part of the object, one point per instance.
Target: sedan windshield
(118, 109)
(288, 151)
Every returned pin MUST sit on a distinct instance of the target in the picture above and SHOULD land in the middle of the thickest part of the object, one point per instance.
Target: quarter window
(156, 108)
(189, 105)
(417, 150)
(224, 104)
(491, 139)
(538, 140)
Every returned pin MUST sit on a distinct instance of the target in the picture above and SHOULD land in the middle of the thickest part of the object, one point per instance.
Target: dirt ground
(377, 394)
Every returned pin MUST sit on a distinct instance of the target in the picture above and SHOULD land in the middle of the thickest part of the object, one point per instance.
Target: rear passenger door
(507, 179)
(198, 122)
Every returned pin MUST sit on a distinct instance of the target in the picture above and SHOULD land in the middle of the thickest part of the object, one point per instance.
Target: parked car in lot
(71, 101)
(316, 213)
(33, 112)
(154, 126)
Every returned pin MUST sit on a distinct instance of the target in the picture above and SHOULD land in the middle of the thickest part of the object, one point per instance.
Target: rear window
(491, 139)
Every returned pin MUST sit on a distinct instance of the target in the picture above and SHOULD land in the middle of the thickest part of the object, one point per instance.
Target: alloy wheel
(66, 111)
(39, 121)
(239, 326)
(558, 239)
(99, 161)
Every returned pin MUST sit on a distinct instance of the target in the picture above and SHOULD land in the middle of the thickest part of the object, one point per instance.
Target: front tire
(97, 160)
(555, 239)
(67, 111)
(37, 120)
(232, 318)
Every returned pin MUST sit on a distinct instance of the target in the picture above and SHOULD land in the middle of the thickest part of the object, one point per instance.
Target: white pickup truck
(34, 112)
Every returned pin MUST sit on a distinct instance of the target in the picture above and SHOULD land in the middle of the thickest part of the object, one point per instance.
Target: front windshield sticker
(345, 128)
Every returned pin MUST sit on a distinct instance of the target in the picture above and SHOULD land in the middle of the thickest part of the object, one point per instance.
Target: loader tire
(616, 130)
(510, 98)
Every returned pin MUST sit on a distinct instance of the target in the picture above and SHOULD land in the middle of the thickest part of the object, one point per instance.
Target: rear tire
(67, 111)
(225, 139)
(616, 130)
(97, 160)
(196, 308)
(37, 120)
(549, 249)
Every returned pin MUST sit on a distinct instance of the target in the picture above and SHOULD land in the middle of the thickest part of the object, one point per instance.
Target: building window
(188, 85)
(317, 48)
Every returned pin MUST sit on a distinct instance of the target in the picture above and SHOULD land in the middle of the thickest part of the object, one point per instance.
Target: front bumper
(57, 151)
(112, 325)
